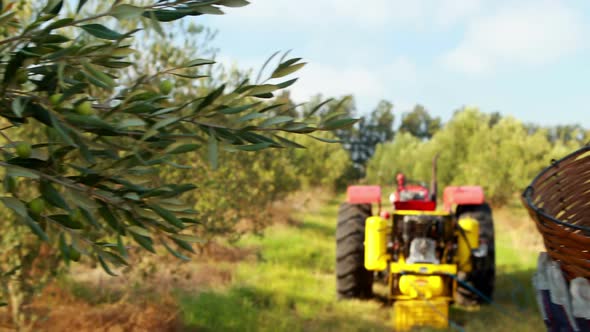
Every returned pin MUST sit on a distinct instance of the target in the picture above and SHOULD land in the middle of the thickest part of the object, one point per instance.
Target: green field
(289, 285)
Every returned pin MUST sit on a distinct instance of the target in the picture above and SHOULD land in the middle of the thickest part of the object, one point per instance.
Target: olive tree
(84, 142)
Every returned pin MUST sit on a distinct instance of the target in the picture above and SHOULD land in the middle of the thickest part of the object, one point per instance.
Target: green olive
(76, 215)
(166, 87)
(84, 108)
(23, 149)
(55, 99)
(37, 205)
(73, 254)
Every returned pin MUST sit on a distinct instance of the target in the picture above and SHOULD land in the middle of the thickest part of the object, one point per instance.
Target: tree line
(500, 153)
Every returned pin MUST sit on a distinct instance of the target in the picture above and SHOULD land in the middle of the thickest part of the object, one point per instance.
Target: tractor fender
(462, 195)
(363, 194)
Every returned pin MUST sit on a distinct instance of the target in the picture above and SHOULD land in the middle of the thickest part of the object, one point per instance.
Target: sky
(527, 58)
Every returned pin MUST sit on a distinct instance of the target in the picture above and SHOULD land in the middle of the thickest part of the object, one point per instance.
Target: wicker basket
(558, 200)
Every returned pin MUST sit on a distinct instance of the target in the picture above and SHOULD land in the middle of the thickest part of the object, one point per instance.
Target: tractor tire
(353, 281)
(483, 274)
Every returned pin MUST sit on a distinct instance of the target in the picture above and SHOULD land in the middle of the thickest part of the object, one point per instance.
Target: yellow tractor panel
(401, 267)
(418, 286)
(420, 212)
(414, 313)
(470, 227)
(376, 232)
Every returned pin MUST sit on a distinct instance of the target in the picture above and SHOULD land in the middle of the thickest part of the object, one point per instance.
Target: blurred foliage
(245, 184)
(361, 139)
(112, 113)
(499, 153)
(419, 123)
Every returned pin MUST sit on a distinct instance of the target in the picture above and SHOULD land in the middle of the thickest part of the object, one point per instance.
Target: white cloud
(367, 85)
(379, 12)
(533, 34)
(318, 78)
(333, 81)
(401, 71)
(452, 11)
(360, 14)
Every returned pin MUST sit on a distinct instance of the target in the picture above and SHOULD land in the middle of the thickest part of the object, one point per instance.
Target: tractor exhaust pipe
(433, 181)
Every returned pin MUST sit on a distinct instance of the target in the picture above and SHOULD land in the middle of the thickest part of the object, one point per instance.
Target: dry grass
(64, 312)
(144, 298)
(138, 300)
(515, 223)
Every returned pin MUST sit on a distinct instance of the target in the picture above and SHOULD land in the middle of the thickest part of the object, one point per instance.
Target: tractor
(427, 258)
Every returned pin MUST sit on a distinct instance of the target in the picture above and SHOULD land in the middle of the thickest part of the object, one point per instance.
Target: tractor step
(414, 313)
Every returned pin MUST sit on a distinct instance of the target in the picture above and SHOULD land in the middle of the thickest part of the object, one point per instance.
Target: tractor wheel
(483, 275)
(352, 279)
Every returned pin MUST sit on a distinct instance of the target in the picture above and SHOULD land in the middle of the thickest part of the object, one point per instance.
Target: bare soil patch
(141, 298)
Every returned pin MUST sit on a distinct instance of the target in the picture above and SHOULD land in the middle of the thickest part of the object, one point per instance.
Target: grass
(291, 286)
(515, 307)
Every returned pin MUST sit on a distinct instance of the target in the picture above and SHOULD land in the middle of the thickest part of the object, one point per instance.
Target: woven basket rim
(528, 192)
